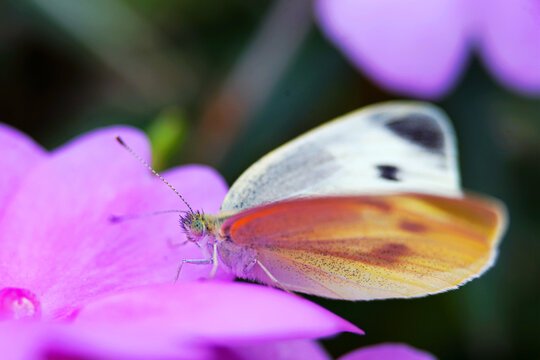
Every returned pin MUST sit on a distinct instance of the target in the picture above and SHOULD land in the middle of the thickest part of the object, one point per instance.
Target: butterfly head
(196, 225)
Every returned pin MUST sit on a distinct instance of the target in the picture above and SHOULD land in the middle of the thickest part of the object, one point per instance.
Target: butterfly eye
(197, 227)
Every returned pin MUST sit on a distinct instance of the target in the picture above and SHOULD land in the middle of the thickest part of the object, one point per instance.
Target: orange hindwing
(368, 247)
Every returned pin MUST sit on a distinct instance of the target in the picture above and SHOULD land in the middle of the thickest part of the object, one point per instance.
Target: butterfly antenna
(121, 142)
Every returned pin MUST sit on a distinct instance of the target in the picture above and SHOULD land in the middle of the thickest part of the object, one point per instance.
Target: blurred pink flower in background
(420, 47)
(388, 352)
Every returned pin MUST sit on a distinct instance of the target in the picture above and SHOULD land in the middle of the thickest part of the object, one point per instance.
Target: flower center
(17, 304)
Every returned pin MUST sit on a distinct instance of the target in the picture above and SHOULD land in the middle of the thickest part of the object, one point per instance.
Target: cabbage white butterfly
(368, 206)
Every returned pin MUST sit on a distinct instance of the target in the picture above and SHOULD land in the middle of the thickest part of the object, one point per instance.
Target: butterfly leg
(214, 262)
(250, 266)
(192, 261)
(269, 274)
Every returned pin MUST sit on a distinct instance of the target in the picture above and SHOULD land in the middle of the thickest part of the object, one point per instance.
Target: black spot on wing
(388, 172)
(419, 129)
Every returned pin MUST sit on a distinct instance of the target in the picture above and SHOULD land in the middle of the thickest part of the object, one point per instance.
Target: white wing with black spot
(398, 146)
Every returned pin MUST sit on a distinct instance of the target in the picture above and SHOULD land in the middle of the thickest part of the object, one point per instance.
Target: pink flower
(74, 284)
(420, 47)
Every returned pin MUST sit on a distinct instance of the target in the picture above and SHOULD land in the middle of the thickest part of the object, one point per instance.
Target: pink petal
(415, 47)
(18, 154)
(58, 241)
(189, 320)
(45, 340)
(280, 350)
(510, 42)
(215, 312)
(388, 352)
(41, 340)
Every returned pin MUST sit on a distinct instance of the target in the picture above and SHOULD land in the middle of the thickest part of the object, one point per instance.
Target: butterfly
(367, 206)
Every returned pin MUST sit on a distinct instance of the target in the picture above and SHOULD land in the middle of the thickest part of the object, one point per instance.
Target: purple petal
(217, 313)
(412, 47)
(280, 350)
(57, 237)
(510, 42)
(19, 153)
(388, 352)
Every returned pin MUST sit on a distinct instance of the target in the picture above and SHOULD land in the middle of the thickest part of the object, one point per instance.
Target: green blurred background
(223, 83)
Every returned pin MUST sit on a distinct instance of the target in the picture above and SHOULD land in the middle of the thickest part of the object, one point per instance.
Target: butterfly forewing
(391, 147)
(367, 247)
